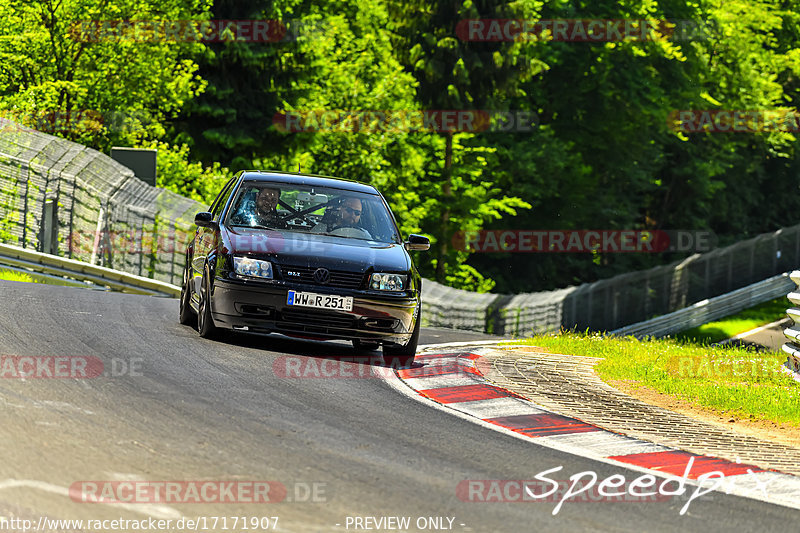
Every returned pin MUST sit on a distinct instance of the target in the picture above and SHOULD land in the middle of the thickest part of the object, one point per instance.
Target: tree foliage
(607, 151)
(99, 87)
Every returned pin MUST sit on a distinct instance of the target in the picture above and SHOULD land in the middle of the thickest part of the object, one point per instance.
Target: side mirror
(204, 220)
(417, 242)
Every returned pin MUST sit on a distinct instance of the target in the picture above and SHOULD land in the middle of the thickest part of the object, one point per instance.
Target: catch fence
(62, 198)
(626, 299)
(65, 199)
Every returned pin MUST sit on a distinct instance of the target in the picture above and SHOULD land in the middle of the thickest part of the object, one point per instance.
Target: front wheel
(205, 322)
(403, 356)
(187, 315)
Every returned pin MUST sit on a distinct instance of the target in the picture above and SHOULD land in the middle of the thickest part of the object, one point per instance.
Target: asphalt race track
(199, 410)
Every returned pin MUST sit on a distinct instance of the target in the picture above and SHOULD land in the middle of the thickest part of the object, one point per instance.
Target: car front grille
(313, 321)
(339, 278)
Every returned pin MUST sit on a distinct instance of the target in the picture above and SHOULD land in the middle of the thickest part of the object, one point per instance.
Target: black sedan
(305, 256)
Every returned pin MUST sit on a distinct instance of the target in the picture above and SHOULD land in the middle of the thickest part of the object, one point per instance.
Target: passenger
(344, 220)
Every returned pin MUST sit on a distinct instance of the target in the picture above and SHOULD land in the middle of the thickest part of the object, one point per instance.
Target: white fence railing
(792, 348)
(711, 309)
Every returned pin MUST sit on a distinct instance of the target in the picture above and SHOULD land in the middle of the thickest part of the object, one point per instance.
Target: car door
(205, 239)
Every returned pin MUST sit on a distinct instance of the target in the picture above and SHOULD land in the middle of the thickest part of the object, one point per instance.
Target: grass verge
(726, 379)
(11, 275)
(746, 320)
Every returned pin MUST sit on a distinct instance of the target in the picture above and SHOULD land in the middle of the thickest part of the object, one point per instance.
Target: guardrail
(713, 308)
(22, 258)
(477, 311)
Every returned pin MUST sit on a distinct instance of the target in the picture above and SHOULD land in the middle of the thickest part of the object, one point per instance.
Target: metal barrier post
(172, 260)
(49, 238)
(141, 246)
(56, 222)
(25, 215)
(71, 214)
(108, 250)
(96, 243)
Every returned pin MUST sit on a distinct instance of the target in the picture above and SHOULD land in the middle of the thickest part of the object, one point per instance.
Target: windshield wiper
(254, 226)
(346, 236)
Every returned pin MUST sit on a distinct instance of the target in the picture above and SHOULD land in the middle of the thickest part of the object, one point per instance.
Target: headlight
(388, 282)
(244, 266)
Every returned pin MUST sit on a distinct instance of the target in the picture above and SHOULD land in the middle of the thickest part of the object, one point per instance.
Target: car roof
(268, 176)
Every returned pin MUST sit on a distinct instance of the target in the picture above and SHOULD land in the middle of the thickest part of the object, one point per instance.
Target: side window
(222, 199)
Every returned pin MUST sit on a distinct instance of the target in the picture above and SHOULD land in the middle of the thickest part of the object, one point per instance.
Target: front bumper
(262, 307)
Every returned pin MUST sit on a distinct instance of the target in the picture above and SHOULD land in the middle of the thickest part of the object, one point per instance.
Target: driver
(262, 212)
(346, 216)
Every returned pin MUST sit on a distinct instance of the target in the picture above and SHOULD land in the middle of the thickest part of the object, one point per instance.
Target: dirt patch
(785, 433)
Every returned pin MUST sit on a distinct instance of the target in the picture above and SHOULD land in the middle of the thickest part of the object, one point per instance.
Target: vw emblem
(322, 276)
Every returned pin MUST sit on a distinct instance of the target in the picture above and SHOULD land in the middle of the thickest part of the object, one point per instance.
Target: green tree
(95, 87)
(605, 156)
(248, 81)
(456, 75)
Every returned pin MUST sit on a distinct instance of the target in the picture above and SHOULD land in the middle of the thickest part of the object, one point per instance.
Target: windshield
(312, 210)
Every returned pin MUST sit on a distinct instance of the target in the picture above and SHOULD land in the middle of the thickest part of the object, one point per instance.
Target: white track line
(445, 345)
(755, 330)
(156, 511)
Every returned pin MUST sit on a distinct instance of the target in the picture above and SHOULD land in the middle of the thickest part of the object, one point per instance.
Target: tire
(403, 356)
(365, 346)
(187, 316)
(205, 322)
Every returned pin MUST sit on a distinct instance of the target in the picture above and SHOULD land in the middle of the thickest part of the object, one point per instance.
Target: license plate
(320, 301)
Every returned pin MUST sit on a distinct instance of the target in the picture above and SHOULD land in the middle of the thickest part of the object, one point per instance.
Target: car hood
(314, 250)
